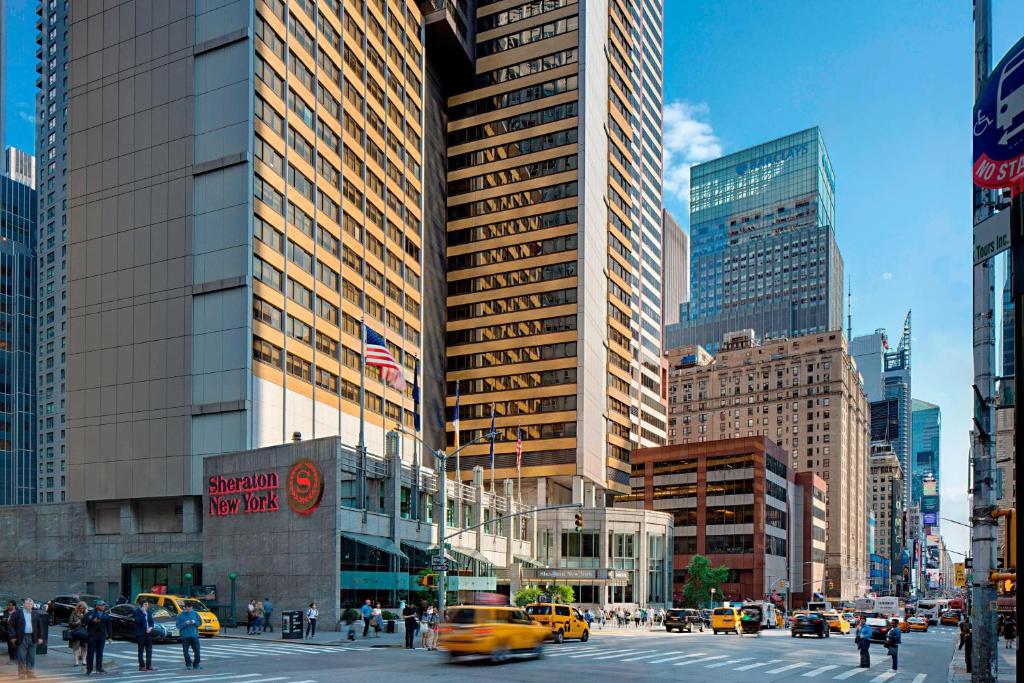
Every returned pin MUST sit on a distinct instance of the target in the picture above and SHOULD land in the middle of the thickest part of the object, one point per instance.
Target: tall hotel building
(554, 243)
(245, 186)
(763, 239)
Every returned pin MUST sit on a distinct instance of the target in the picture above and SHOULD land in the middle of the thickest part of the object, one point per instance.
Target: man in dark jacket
(144, 635)
(97, 626)
(27, 626)
(6, 633)
(412, 625)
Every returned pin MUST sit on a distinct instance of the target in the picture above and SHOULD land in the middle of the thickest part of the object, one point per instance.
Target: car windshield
(809, 615)
(159, 612)
(196, 605)
(723, 611)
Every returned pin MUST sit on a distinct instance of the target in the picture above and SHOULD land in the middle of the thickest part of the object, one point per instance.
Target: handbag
(79, 633)
(65, 635)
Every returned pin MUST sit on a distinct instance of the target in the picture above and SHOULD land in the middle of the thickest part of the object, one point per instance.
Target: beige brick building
(886, 484)
(803, 393)
(1007, 464)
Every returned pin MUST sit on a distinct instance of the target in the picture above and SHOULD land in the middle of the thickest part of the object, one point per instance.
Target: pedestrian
(144, 635)
(350, 617)
(600, 618)
(257, 622)
(893, 638)
(366, 611)
(1010, 631)
(268, 614)
(7, 631)
(98, 633)
(188, 631)
(378, 620)
(78, 634)
(428, 626)
(311, 616)
(250, 616)
(863, 641)
(966, 642)
(412, 624)
(26, 625)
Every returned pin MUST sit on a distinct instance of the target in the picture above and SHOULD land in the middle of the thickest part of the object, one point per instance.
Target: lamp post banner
(999, 124)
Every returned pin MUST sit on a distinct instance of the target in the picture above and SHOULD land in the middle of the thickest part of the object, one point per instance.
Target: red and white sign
(999, 124)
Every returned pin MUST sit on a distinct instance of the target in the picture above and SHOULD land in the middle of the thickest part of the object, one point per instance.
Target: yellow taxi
(914, 624)
(725, 619)
(176, 603)
(836, 622)
(562, 621)
(496, 633)
(950, 617)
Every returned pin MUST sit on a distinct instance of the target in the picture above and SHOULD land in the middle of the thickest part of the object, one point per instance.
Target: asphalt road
(611, 655)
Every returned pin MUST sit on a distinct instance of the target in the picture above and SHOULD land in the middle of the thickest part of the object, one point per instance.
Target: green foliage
(527, 594)
(701, 577)
(561, 593)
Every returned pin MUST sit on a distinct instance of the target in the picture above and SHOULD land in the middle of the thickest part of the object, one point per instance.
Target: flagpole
(519, 463)
(458, 461)
(494, 492)
(361, 447)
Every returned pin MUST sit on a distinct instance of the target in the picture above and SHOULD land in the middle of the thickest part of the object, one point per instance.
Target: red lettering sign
(247, 494)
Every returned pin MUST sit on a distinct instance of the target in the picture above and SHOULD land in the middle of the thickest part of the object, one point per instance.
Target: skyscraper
(51, 109)
(20, 166)
(925, 441)
(675, 278)
(763, 244)
(258, 194)
(17, 344)
(554, 241)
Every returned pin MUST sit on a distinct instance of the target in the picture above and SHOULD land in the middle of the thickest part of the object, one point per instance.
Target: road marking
(883, 677)
(850, 673)
(668, 659)
(815, 672)
(636, 659)
(754, 666)
(601, 652)
(702, 659)
(727, 662)
(619, 654)
(787, 668)
(567, 652)
(919, 678)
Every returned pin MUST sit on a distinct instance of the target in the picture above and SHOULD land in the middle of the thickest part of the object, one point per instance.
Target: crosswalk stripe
(668, 659)
(619, 654)
(727, 662)
(697, 661)
(883, 677)
(591, 654)
(754, 666)
(820, 670)
(637, 659)
(574, 651)
(848, 674)
(779, 670)
(919, 678)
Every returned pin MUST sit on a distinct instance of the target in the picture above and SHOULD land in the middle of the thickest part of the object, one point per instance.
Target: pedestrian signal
(579, 521)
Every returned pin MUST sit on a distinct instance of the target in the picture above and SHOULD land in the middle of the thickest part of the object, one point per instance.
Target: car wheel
(559, 637)
(716, 631)
(499, 654)
(585, 637)
(792, 635)
(668, 630)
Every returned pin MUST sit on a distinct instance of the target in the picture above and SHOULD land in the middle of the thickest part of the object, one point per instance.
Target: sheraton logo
(305, 486)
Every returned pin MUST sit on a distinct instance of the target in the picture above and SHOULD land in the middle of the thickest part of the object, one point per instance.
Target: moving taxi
(950, 617)
(495, 633)
(836, 622)
(562, 621)
(176, 603)
(914, 624)
(725, 619)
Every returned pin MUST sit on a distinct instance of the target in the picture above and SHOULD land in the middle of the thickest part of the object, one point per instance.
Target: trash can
(291, 625)
(389, 626)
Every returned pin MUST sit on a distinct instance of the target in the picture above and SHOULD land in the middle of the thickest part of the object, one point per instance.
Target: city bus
(931, 610)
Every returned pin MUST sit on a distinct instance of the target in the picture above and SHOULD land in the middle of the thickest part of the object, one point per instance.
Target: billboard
(929, 519)
(929, 504)
(930, 487)
(959, 575)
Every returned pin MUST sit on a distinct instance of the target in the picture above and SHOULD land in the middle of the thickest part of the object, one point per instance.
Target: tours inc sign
(258, 492)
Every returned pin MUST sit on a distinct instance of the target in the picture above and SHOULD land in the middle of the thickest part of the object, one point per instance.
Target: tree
(559, 593)
(562, 594)
(701, 577)
(525, 595)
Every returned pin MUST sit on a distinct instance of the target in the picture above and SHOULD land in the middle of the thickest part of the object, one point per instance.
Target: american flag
(455, 421)
(519, 448)
(377, 354)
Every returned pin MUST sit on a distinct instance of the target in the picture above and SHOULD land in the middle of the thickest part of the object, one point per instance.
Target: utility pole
(983, 531)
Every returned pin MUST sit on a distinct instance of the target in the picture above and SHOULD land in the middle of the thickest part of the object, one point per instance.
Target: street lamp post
(232, 577)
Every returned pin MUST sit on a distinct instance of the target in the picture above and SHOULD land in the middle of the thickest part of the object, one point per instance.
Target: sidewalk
(1007, 666)
(325, 637)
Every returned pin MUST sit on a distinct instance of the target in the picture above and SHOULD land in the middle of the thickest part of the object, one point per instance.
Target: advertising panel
(929, 504)
(930, 487)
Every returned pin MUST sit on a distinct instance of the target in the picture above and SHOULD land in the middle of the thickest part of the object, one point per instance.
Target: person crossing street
(892, 642)
(144, 635)
(26, 626)
(98, 633)
(863, 642)
(188, 630)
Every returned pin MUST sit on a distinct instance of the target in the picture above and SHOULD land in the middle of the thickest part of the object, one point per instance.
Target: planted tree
(701, 577)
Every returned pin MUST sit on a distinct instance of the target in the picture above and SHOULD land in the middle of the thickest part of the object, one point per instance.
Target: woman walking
(257, 621)
(77, 633)
(428, 623)
(250, 616)
(311, 616)
(377, 620)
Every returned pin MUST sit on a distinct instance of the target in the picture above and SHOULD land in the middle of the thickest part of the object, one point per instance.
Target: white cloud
(688, 140)
(886, 276)
(27, 116)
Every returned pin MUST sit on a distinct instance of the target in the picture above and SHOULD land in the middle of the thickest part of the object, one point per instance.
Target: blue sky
(891, 86)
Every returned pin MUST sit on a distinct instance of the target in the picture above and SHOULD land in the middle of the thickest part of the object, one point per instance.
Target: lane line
(697, 661)
(779, 670)
(748, 667)
(602, 652)
(820, 670)
(637, 659)
(619, 654)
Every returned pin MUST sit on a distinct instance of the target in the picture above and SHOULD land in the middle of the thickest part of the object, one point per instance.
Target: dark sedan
(683, 620)
(122, 623)
(811, 623)
(61, 607)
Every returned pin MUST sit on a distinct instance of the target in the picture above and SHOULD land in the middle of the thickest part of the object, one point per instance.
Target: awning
(528, 561)
(425, 547)
(378, 542)
(472, 553)
(161, 558)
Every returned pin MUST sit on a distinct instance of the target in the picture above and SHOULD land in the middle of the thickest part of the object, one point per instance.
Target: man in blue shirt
(188, 630)
(144, 635)
(27, 631)
(97, 628)
(892, 642)
(864, 642)
(366, 610)
(268, 610)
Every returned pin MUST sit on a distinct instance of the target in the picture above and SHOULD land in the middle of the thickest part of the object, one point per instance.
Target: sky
(891, 86)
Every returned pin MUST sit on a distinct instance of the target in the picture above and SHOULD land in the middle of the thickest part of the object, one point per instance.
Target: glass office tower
(17, 344)
(763, 244)
(926, 432)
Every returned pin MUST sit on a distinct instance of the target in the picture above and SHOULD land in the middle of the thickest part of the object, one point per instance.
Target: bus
(931, 610)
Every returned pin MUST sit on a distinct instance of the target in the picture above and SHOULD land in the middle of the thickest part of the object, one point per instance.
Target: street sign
(999, 124)
(991, 236)
(969, 563)
(438, 564)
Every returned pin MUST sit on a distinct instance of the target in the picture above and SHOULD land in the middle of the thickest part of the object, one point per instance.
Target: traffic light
(428, 580)
(579, 521)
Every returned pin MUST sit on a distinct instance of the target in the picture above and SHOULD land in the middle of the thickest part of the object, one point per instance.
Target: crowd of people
(638, 617)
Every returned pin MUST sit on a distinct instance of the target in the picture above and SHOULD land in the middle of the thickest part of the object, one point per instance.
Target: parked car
(175, 603)
(683, 620)
(122, 623)
(810, 623)
(61, 607)
(495, 632)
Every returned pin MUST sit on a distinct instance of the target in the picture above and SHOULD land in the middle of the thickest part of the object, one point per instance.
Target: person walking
(259, 613)
(97, 626)
(250, 616)
(78, 634)
(893, 638)
(188, 630)
(7, 631)
(350, 616)
(1010, 631)
(428, 626)
(311, 616)
(412, 624)
(863, 642)
(144, 635)
(268, 615)
(27, 627)
(366, 611)
(966, 642)
(378, 620)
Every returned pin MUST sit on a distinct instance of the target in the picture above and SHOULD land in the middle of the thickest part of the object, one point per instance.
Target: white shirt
(28, 620)
(311, 613)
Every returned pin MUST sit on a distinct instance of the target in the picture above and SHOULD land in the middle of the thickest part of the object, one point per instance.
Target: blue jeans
(190, 642)
(894, 652)
(27, 653)
(267, 626)
(94, 652)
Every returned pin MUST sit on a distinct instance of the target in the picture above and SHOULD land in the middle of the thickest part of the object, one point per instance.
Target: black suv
(60, 607)
(811, 623)
(683, 620)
